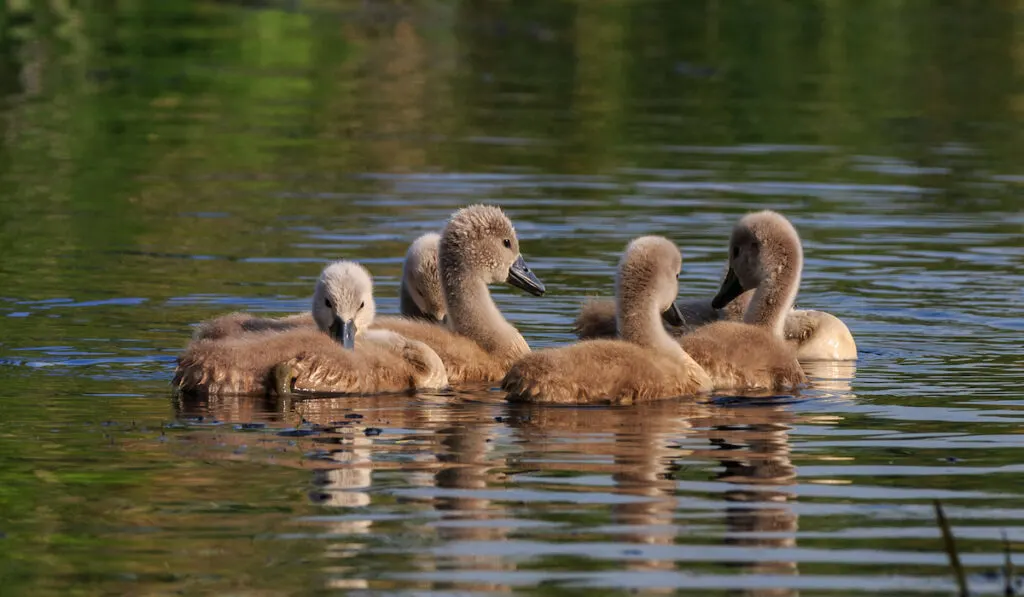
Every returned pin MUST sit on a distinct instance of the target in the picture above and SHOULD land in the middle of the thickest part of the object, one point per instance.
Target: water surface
(166, 162)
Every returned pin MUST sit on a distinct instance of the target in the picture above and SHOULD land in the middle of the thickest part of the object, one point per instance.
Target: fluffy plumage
(764, 253)
(478, 247)
(420, 295)
(312, 360)
(645, 365)
(814, 335)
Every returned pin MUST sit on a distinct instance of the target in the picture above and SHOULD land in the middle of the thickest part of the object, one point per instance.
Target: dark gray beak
(673, 317)
(343, 332)
(731, 288)
(522, 278)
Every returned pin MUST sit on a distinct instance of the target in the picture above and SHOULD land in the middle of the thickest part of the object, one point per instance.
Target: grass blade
(1009, 576)
(950, 544)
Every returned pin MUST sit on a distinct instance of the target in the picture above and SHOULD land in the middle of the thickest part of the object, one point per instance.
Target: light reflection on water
(201, 172)
(832, 485)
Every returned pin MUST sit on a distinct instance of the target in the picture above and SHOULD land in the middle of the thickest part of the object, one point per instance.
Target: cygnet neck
(473, 313)
(775, 296)
(639, 321)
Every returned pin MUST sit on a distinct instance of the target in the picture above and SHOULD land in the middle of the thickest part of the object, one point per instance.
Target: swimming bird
(597, 318)
(340, 354)
(478, 247)
(764, 253)
(645, 364)
(420, 297)
(815, 335)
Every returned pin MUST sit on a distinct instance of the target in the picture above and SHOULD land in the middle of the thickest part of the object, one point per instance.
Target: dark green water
(163, 162)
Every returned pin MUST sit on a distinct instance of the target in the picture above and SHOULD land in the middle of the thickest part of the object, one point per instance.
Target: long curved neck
(774, 298)
(639, 321)
(472, 313)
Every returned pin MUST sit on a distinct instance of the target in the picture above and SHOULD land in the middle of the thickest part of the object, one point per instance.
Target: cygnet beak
(731, 288)
(673, 316)
(520, 276)
(343, 332)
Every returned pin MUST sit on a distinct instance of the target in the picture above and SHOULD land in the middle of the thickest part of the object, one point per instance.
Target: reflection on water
(678, 493)
(485, 502)
(167, 161)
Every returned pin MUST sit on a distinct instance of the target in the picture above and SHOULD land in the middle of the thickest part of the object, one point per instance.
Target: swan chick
(646, 364)
(339, 354)
(764, 253)
(321, 372)
(420, 296)
(815, 335)
(478, 247)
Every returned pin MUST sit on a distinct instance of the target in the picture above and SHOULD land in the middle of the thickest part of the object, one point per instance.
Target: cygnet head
(649, 271)
(421, 277)
(764, 248)
(480, 240)
(343, 301)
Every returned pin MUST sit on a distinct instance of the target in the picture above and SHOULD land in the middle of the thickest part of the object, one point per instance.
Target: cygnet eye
(735, 252)
(507, 243)
(327, 303)
(362, 304)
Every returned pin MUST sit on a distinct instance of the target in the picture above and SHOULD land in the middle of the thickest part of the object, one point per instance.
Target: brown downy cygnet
(815, 335)
(645, 364)
(420, 297)
(764, 253)
(340, 354)
(238, 323)
(478, 247)
(597, 318)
